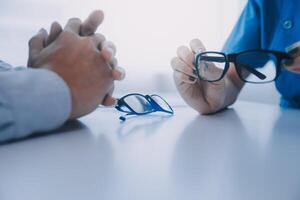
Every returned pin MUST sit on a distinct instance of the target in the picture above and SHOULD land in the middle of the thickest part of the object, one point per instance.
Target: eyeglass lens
(263, 62)
(161, 102)
(141, 105)
(252, 66)
(138, 104)
(211, 66)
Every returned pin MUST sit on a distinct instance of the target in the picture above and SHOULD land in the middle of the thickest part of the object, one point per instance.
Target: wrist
(72, 113)
(231, 92)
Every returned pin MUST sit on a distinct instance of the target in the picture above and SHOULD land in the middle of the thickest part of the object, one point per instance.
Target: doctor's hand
(79, 62)
(203, 96)
(293, 64)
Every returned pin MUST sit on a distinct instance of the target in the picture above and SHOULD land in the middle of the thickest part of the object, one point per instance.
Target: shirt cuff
(39, 100)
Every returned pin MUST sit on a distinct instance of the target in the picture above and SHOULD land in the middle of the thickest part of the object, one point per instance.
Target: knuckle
(67, 34)
(87, 29)
(31, 41)
(110, 45)
(87, 41)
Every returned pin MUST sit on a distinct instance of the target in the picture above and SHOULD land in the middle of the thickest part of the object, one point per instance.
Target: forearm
(31, 100)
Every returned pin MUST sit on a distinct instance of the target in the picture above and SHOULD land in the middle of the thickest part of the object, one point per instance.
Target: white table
(251, 151)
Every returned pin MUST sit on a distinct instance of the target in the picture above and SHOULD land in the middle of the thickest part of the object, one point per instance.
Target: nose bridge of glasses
(231, 57)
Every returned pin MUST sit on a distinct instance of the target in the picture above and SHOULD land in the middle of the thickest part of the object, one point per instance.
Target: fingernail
(123, 73)
(106, 54)
(119, 73)
(111, 51)
(191, 78)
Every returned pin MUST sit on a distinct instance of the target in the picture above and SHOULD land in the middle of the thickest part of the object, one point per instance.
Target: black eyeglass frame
(232, 58)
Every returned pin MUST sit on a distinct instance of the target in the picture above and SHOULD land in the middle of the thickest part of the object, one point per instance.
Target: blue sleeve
(246, 34)
(31, 100)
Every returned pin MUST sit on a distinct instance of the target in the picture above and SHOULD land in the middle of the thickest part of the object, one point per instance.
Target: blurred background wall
(146, 32)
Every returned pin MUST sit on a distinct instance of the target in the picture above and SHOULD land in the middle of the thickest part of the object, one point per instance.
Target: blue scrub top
(273, 25)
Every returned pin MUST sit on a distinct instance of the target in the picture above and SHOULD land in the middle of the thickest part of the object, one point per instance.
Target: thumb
(90, 25)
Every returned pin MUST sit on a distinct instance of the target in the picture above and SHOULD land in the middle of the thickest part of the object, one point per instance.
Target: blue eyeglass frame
(155, 107)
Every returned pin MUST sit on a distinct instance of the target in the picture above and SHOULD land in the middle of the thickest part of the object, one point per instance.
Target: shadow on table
(283, 156)
(216, 158)
(148, 125)
(74, 163)
(203, 153)
(68, 127)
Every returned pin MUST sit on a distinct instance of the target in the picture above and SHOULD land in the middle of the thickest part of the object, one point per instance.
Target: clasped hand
(82, 58)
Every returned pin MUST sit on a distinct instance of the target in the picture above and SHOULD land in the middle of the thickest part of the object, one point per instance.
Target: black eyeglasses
(254, 66)
(138, 104)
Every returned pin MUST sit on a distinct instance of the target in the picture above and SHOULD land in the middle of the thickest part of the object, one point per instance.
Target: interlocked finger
(197, 46)
(90, 25)
(98, 39)
(180, 77)
(73, 25)
(109, 100)
(108, 53)
(180, 66)
(111, 46)
(55, 30)
(186, 55)
(36, 45)
(118, 73)
(113, 63)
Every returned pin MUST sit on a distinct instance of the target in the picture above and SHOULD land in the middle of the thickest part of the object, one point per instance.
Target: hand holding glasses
(293, 65)
(138, 104)
(253, 66)
(200, 75)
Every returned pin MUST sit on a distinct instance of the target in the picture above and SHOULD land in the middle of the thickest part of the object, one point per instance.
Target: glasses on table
(138, 104)
(253, 66)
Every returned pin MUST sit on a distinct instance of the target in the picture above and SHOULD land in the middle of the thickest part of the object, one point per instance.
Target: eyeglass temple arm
(247, 67)
(252, 70)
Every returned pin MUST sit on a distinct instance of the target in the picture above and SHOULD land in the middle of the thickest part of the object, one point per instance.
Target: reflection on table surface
(249, 151)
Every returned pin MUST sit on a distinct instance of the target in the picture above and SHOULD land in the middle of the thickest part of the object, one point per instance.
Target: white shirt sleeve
(31, 100)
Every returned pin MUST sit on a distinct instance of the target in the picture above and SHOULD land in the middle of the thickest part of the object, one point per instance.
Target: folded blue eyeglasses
(138, 104)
